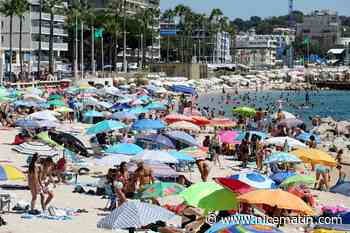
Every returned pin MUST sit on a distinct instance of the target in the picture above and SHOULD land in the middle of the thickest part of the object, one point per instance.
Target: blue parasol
(147, 124)
(124, 148)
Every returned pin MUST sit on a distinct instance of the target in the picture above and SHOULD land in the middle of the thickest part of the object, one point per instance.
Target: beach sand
(86, 222)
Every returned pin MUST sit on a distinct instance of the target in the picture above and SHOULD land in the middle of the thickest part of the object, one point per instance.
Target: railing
(46, 30)
(45, 46)
(46, 16)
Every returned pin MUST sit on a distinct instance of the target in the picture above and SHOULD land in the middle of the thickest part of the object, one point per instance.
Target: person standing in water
(307, 98)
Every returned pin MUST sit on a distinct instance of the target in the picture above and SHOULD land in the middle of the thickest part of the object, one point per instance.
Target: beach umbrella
(44, 136)
(69, 141)
(9, 172)
(176, 117)
(184, 89)
(244, 111)
(279, 141)
(30, 148)
(156, 106)
(33, 91)
(235, 186)
(124, 100)
(124, 116)
(242, 135)
(90, 101)
(93, 113)
(287, 115)
(118, 107)
(200, 120)
(105, 126)
(182, 137)
(159, 170)
(195, 152)
(276, 198)
(27, 123)
(342, 188)
(147, 124)
(237, 228)
(305, 136)
(156, 139)
(137, 110)
(229, 137)
(32, 97)
(25, 103)
(255, 180)
(64, 110)
(190, 111)
(291, 122)
(56, 103)
(282, 157)
(209, 196)
(181, 156)
(315, 156)
(222, 122)
(184, 125)
(298, 179)
(135, 214)
(124, 148)
(155, 156)
(55, 97)
(44, 115)
(160, 189)
(105, 104)
(279, 177)
(111, 160)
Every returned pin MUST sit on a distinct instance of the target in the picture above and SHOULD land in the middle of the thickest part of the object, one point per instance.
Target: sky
(263, 8)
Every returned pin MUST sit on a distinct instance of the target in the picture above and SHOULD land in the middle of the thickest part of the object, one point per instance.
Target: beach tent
(276, 198)
(135, 214)
(184, 89)
(315, 156)
(209, 196)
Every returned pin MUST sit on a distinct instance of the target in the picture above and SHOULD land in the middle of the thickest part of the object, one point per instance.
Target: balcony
(46, 16)
(45, 46)
(46, 31)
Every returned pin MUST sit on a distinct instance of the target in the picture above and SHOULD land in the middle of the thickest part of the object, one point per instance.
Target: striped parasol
(134, 214)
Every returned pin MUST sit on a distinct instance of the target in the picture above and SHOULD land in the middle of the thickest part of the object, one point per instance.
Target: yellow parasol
(281, 199)
(315, 156)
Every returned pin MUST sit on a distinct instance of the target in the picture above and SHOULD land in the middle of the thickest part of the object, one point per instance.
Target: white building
(222, 48)
(30, 38)
(261, 50)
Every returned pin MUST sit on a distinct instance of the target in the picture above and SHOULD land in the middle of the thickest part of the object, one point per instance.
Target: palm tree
(113, 21)
(215, 15)
(22, 8)
(51, 6)
(169, 16)
(181, 11)
(8, 8)
(143, 18)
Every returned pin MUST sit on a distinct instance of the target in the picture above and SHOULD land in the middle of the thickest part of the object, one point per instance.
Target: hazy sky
(264, 8)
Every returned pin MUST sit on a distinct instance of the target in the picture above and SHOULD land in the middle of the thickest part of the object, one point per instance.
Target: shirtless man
(143, 175)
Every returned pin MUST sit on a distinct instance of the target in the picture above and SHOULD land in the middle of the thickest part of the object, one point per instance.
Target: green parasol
(210, 196)
(55, 97)
(244, 111)
(298, 179)
(161, 189)
(56, 103)
(44, 136)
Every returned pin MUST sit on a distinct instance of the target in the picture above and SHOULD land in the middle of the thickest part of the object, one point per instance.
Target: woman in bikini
(34, 182)
(47, 181)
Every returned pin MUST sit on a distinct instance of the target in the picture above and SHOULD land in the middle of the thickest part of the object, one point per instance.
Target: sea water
(335, 104)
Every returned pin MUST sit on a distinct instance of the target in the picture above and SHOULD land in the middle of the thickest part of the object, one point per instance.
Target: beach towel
(57, 214)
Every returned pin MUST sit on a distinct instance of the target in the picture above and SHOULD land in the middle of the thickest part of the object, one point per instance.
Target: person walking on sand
(34, 183)
(48, 169)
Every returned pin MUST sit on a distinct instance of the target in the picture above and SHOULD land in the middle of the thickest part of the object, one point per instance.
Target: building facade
(132, 7)
(322, 26)
(30, 39)
(261, 50)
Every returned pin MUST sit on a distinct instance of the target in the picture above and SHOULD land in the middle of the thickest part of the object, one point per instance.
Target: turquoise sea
(323, 103)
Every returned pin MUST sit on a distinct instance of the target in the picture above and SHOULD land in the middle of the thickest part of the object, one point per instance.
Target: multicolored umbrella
(161, 189)
(124, 148)
(246, 229)
(134, 214)
(244, 111)
(8, 172)
(147, 124)
(229, 137)
(181, 156)
(277, 198)
(279, 177)
(282, 157)
(255, 180)
(315, 156)
(210, 196)
(298, 179)
(105, 126)
(195, 152)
